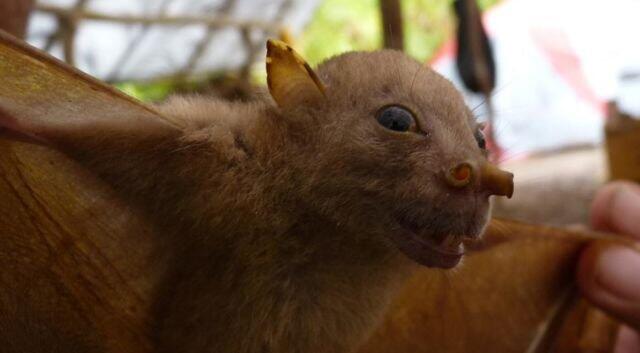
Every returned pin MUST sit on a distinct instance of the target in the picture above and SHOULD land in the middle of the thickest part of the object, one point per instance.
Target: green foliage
(343, 25)
(427, 24)
(149, 92)
(339, 26)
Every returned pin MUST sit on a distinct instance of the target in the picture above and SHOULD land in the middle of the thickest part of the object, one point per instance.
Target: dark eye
(482, 143)
(396, 118)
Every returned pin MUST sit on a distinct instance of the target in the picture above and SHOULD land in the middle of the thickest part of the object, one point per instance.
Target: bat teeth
(451, 241)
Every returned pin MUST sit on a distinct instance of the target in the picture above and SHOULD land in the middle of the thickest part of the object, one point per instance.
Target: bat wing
(516, 296)
(77, 264)
(45, 100)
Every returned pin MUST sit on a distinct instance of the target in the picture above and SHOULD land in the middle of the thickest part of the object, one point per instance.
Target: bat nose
(490, 178)
(496, 181)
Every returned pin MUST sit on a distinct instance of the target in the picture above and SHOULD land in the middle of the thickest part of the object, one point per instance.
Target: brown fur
(278, 221)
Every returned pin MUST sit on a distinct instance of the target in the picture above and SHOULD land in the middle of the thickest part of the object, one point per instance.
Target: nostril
(460, 175)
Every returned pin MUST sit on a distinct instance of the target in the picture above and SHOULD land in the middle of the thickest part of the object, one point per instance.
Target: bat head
(389, 149)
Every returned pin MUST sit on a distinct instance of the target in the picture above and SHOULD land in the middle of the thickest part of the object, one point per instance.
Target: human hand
(609, 275)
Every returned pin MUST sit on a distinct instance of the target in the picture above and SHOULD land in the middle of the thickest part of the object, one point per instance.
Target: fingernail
(625, 210)
(618, 272)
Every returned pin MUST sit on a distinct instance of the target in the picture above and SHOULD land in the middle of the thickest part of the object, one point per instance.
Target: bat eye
(482, 142)
(396, 118)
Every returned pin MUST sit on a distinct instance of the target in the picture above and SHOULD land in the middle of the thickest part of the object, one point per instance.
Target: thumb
(616, 208)
(609, 276)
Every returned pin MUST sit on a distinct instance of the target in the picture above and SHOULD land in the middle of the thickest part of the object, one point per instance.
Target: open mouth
(423, 250)
(442, 249)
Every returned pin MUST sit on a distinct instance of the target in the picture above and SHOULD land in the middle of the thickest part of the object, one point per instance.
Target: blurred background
(551, 78)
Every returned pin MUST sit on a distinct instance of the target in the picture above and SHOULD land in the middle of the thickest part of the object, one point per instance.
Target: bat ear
(291, 80)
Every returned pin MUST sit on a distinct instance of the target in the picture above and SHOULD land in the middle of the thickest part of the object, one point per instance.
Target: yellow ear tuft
(290, 79)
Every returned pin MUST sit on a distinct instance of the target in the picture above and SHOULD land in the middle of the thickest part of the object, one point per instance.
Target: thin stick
(544, 334)
(213, 21)
(392, 30)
